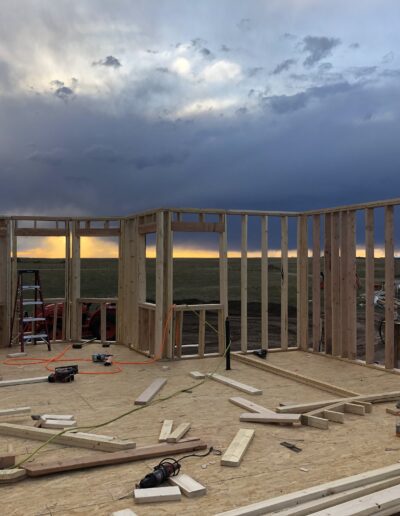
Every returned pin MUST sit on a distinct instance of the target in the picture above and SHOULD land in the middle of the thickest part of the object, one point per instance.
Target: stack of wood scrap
(260, 414)
(373, 492)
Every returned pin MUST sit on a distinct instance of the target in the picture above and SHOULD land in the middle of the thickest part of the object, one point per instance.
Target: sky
(109, 108)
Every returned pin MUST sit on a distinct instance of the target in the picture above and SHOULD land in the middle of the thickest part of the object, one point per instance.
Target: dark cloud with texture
(284, 66)
(109, 61)
(317, 48)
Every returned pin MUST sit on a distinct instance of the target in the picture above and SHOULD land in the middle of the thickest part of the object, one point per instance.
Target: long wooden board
(315, 492)
(38, 469)
(15, 411)
(148, 394)
(68, 439)
(333, 389)
(273, 417)
(236, 450)
(248, 389)
(23, 381)
(302, 408)
(249, 405)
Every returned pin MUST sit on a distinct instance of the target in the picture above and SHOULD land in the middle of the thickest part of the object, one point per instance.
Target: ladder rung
(39, 336)
(30, 287)
(32, 302)
(33, 319)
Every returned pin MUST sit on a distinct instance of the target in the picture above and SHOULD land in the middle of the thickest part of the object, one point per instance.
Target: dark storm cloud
(64, 93)
(318, 48)
(283, 104)
(284, 66)
(53, 156)
(109, 61)
(165, 160)
(103, 153)
(362, 71)
(325, 67)
(57, 83)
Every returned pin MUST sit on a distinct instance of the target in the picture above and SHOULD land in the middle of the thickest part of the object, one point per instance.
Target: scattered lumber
(333, 500)
(178, 433)
(233, 383)
(197, 375)
(369, 504)
(157, 494)
(23, 381)
(148, 394)
(368, 398)
(189, 487)
(11, 475)
(7, 460)
(57, 423)
(36, 469)
(333, 389)
(236, 450)
(68, 439)
(249, 405)
(124, 512)
(282, 419)
(15, 411)
(166, 429)
(315, 493)
(16, 355)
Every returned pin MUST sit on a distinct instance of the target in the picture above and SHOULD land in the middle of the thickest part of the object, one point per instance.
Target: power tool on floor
(102, 357)
(168, 467)
(64, 374)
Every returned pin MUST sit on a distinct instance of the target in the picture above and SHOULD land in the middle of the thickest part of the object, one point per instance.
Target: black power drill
(63, 374)
(161, 472)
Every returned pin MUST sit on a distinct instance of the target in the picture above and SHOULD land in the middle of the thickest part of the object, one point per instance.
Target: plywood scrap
(157, 494)
(11, 475)
(271, 417)
(23, 381)
(20, 411)
(249, 405)
(197, 375)
(57, 423)
(69, 439)
(166, 429)
(38, 469)
(188, 486)
(314, 493)
(148, 394)
(178, 433)
(124, 512)
(235, 384)
(236, 450)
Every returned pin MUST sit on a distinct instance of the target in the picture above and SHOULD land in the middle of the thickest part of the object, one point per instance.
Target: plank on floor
(15, 411)
(197, 375)
(57, 423)
(148, 394)
(249, 405)
(64, 417)
(124, 512)
(22, 381)
(282, 419)
(16, 355)
(188, 485)
(69, 439)
(157, 494)
(179, 432)
(166, 430)
(11, 475)
(235, 384)
(236, 450)
(314, 421)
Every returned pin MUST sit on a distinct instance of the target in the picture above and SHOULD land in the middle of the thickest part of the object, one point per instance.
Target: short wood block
(354, 409)
(57, 423)
(197, 375)
(16, 355)
(166, 430)
(124, 512)
(11, 475)
(7, 460)
(179, 432)
(331, 415)
(157, 494)
(64, 417)
(282, 419)
(236, 450)
(188, 486)
(314, 421)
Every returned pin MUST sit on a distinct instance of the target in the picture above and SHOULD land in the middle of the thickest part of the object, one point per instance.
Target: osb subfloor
(267, 470)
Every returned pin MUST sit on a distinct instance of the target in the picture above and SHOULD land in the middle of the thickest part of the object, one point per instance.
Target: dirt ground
(267, 470)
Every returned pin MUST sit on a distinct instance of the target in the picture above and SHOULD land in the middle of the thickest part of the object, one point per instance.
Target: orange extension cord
(59, 358)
